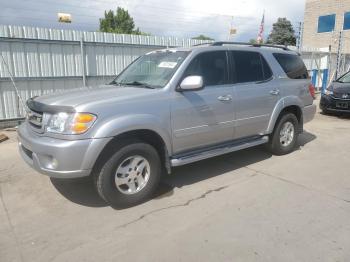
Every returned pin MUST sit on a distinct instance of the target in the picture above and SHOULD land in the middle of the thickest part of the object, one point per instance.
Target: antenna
(13, 83)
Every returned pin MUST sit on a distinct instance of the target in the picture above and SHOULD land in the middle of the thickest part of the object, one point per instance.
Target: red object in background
(260, 38)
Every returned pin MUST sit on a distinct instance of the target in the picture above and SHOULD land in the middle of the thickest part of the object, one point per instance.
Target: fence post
(314, 77)
(324, 80)
(82, 60)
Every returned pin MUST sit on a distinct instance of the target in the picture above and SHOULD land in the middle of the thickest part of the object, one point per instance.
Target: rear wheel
(285, 135)
(130, 175)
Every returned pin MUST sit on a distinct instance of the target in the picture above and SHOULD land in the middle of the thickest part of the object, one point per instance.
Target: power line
(173, 23)
(98, 17)
(143, 27)
(182, 12)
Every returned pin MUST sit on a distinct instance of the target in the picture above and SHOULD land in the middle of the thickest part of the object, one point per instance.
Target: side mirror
(191, 83)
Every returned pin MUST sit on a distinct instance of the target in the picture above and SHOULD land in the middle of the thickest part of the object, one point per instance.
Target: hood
(341, 88)
(84, 96)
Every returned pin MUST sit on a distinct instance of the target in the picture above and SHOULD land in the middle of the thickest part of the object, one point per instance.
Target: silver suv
(169, 108)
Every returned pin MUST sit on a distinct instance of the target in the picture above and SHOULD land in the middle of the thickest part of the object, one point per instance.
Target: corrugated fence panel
(44, 60)
(5, 52)
(90, 58)
(19, 60)
(44, 51)
(57, 59)
(33, 68)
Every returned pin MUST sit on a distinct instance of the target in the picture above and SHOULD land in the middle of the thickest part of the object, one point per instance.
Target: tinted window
(250, 67)
(326, 23)
(346, 21)
(212, 66)
(292, 65)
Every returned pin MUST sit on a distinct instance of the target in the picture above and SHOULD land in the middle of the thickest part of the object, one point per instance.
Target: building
(323, 20)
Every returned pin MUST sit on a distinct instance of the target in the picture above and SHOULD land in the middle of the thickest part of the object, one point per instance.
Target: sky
(181, 18)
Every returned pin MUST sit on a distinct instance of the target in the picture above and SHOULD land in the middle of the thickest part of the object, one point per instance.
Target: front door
(204, 117)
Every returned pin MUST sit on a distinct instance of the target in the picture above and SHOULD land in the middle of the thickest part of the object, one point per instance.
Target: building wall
(316, 8)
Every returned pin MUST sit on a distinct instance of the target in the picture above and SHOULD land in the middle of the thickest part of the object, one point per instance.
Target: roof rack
(221, 43)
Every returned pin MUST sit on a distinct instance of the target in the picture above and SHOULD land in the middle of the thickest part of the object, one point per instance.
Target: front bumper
(328, 103)
(57, 157)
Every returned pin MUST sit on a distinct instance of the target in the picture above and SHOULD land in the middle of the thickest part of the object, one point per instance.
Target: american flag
(260, 38)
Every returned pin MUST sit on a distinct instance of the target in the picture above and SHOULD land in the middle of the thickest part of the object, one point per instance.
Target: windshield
(153, 70)
(345, 78)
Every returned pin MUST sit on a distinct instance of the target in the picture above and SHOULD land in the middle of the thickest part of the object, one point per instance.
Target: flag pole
(260, 38)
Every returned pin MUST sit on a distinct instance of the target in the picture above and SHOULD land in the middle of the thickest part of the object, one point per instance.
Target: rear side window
(292, 65)
(212, 66)
(250, 67)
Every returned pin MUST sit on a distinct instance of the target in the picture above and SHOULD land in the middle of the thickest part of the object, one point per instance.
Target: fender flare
(280, 106)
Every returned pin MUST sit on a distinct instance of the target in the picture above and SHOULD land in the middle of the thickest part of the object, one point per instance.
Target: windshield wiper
(138, 84)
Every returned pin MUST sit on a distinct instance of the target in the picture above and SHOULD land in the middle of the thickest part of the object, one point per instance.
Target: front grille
(341, 95)
(35, 119)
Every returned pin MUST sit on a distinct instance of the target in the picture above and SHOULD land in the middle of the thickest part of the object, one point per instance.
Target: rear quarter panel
(293, 92)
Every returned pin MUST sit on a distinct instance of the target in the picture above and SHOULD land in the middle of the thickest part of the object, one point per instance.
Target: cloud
(160, 17)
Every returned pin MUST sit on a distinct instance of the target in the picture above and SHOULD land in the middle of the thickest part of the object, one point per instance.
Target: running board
(190, 158)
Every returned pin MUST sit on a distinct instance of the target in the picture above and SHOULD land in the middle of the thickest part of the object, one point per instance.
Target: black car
(336, 97)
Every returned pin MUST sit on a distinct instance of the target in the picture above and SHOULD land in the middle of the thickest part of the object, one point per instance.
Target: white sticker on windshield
(167, 64)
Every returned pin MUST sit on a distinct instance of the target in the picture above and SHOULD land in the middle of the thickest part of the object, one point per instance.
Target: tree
(253, 41)
(119, 22)
(202, 37)
(282, 33)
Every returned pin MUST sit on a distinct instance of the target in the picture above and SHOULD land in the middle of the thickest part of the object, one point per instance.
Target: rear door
(256, 94)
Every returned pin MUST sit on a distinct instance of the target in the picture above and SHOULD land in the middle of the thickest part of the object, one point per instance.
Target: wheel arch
(289, 105)
(145, 135)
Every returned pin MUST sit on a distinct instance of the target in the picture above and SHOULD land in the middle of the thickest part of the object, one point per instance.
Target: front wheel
(285, 135)
(130, 176)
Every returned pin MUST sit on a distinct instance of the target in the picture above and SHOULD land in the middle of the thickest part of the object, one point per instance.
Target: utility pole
(300, 36)
(232, 30)
(339, 51)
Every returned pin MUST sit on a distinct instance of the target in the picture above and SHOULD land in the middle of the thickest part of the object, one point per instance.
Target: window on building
(326, 23)
(346, 21)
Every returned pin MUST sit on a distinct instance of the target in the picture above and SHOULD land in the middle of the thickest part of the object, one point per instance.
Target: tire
(123, 189)
(282, 145)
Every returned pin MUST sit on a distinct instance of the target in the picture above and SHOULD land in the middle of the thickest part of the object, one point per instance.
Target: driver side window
(212, 66)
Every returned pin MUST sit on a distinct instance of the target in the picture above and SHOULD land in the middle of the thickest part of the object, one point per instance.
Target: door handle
(225, 98)
(275, 92)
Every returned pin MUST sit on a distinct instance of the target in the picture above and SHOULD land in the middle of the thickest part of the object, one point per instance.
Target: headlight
(70, 124)
(329, 91)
